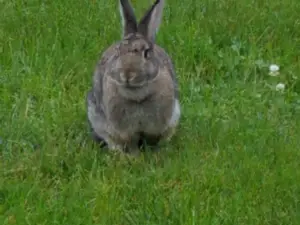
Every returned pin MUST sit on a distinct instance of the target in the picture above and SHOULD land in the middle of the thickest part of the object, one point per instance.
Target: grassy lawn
(235, 158)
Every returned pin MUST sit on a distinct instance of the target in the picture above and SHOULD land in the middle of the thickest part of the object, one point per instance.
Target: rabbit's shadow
(144, 143)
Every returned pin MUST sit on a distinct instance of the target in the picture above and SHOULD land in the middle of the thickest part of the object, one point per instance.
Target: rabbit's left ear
(149, 24)
(128, 17)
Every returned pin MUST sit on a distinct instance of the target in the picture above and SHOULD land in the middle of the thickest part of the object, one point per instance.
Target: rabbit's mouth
(134, 93)
(134, 86)
(130, 85)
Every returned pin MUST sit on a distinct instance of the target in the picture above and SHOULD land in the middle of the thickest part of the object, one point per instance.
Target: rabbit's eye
(146, 53)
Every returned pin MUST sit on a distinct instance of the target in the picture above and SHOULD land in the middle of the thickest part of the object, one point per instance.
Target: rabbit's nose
(127, 76)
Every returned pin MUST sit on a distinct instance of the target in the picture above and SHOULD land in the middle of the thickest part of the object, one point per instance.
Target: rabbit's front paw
(113, 146)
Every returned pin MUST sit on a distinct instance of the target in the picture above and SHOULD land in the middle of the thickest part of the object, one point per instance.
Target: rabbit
(135, 92)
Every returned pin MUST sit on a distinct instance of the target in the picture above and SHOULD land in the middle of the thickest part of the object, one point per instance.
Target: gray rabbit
(135, 91)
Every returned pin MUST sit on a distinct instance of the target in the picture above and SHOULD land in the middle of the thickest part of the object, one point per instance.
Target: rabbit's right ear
(149, 24)
(128, 17)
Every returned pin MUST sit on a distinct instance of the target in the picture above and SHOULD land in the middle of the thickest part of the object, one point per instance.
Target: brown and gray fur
(135, 91)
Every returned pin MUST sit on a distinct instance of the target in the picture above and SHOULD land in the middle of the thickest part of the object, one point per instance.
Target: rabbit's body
(135, 94)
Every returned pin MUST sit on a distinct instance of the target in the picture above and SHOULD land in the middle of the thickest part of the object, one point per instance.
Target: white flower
(274, 70)
(280, 87)
(258, 95)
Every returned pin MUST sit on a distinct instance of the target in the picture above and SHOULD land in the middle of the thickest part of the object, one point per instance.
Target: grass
(235, 157)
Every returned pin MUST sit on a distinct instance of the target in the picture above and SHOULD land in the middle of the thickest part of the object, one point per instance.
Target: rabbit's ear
(128, 17)
(149, 24)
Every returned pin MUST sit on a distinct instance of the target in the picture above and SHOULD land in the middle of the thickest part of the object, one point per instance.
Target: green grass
(235, 158)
